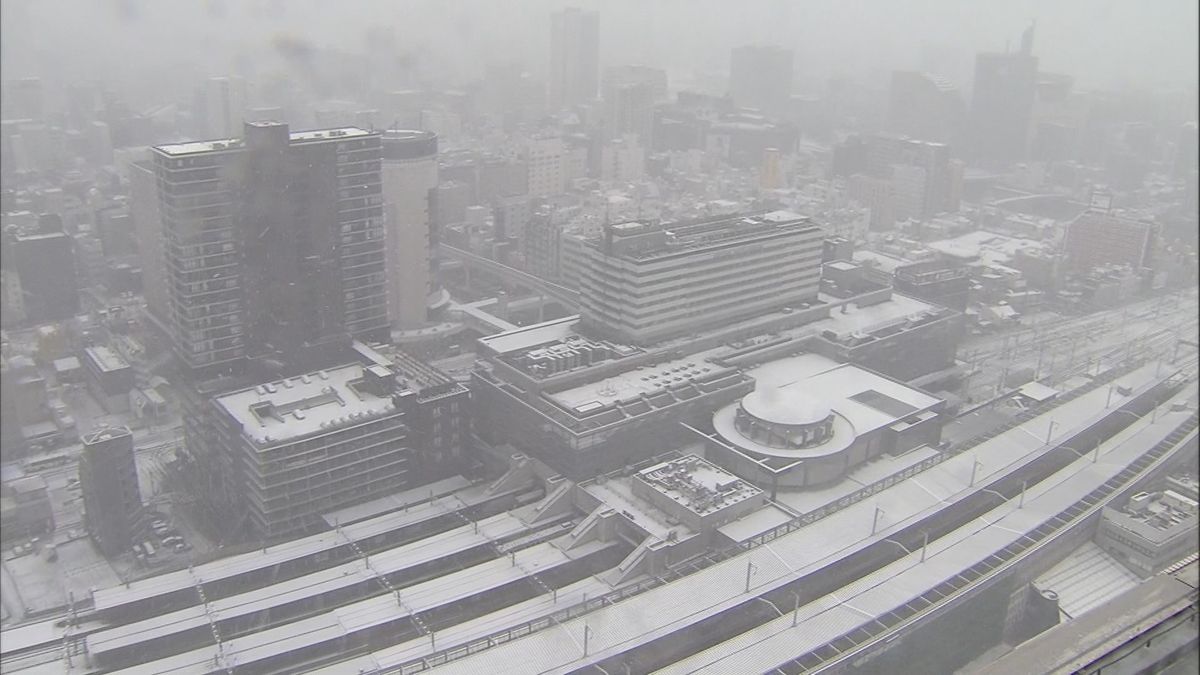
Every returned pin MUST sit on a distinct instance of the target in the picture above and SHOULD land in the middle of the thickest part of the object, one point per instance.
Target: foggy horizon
(1111, 45)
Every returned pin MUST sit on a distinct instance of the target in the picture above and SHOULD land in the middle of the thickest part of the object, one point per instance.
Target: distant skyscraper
(574, 57)
(629, 109)
(410, 176)
(630, 94)
(108, 481)
(272, 242)
(925, 106)
(760, 76)
(44, 264)
(1002, 103)
(918, 195)
(224, 106)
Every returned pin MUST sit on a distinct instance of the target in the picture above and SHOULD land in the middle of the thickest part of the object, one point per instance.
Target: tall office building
(923, 196)
(644, 283)
(629, 109)
(410, 177)
(224, 106)
(546, 161)
(925, 106)
(147, 224)
(760, 76)
(630, 94)
(1002, 102)
(108, 481)
(574, 57)
(44, 265)
(1098, 237)
(272, 242)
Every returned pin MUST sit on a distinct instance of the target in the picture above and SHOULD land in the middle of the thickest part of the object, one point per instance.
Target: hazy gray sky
(1104, 43)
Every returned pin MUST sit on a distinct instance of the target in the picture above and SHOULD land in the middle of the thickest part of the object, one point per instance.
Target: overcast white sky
(1104, 43)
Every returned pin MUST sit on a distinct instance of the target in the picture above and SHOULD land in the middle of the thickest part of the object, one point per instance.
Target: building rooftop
(107, 433)
(195, 147)
(1155, 516)
(644, 242)
(106, 359)
(298, 406)
(529, 337)
(882, 261)
(1075, 645)
(987, 247)
(66, 364)
(863, 401)
(697, 485)
(789, 406)
(629, 385)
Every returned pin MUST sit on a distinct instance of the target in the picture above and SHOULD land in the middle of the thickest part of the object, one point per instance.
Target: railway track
(754, 612)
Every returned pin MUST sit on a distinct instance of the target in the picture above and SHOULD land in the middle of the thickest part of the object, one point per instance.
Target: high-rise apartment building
(643, 283)
(574, 57)
(272, 242)
(147, 224)
(1002, 102)
(410, 176)
(108, 481)
(760, 76)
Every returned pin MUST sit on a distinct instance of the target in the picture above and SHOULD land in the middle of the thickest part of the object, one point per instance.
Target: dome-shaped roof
(785, 405)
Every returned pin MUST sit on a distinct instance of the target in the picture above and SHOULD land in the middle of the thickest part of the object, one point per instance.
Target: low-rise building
(109, 376)
(25, 509)
(697, 493)
(289, 450)
(811, 420)
(1151, 532)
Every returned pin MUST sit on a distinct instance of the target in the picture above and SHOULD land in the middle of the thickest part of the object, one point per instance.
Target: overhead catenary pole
(751, 568)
